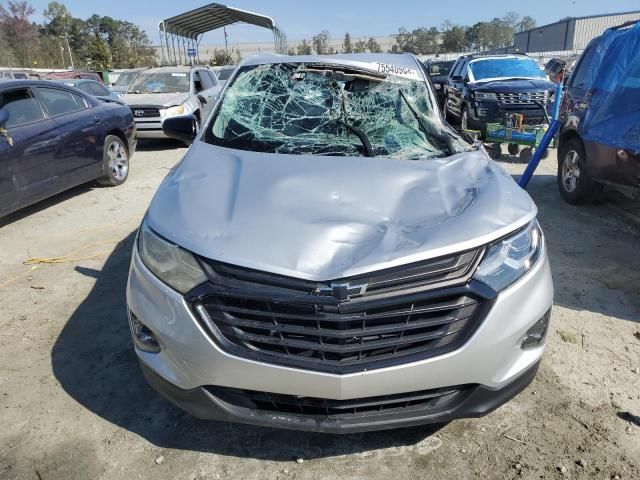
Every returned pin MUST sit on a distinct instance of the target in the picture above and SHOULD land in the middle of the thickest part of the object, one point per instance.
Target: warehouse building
(570, 33)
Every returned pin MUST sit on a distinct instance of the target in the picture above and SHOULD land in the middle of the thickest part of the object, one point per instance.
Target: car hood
(512, 86)
(324, 218)
(164, 99)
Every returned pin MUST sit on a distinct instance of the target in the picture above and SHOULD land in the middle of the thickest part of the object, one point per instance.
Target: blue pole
(545, 142)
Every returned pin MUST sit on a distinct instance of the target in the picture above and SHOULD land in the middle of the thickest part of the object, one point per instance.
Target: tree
(373, 46)
(304, 48)
(346, 44)
(321, 43)
(223, 57)
(360, 46)
(20, 32)
(453, 39)
(527, 23)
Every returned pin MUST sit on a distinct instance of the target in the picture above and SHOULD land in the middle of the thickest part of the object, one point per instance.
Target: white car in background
(224, 73)
(160, 93)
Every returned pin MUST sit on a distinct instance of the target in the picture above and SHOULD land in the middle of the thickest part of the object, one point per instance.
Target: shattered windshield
(311, 109)
(175, 82)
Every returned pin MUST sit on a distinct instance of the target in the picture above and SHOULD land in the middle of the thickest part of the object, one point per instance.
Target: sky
(360, 18)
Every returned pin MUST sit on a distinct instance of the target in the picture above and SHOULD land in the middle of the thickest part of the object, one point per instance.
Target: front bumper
(491, 361)
(150, 127)
(476, 402)
(484, 112)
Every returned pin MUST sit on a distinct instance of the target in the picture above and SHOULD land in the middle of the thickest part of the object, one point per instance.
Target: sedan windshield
(507, 67)
(312, 109)
(174, 82)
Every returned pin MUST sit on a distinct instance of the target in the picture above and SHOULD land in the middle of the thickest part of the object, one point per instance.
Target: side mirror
(202, 99)
(4, 117)
(456, 78)
(181, 128)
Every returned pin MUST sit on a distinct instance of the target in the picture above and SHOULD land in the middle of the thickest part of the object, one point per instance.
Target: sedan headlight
(173, 111)
(510, 258)
(485, 96)
(173, 265)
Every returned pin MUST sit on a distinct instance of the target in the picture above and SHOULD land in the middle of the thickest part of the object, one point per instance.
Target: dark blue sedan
(54, 137)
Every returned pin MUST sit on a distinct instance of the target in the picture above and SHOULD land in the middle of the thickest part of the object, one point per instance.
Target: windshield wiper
(366, 144)
(447, 138)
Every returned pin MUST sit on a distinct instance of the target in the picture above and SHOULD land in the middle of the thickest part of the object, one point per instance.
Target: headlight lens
(509, 259)
(173, 111)
(485, 96)
(173, 265)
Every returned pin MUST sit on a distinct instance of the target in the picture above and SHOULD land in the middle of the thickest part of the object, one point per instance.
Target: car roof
(168, 70)
(30, 82)
(399, 59)
(493, 55)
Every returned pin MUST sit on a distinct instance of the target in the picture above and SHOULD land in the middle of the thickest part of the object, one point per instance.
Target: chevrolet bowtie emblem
(342, 291)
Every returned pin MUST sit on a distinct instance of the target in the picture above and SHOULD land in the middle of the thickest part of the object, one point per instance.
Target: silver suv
(160, 93)
(331, 256)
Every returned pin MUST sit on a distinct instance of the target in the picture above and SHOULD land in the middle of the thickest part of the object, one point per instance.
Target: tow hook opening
(143, 337)
(536, 335)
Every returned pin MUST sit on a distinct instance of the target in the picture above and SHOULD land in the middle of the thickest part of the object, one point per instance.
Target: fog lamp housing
(536, 335)
(143, 337)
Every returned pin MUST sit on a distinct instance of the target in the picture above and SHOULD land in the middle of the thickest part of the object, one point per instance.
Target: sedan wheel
(115, 162)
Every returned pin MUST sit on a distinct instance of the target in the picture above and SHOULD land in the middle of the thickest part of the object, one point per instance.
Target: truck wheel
(115, 162)
(574, 183)
(513, 148)
(526, 154)
(495, 151)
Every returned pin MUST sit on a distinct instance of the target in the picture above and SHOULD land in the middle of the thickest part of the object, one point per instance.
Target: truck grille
(525, 98)
(320, 407)
(400, 318)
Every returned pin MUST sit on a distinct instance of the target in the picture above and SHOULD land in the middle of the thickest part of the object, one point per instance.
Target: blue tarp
(613, 116)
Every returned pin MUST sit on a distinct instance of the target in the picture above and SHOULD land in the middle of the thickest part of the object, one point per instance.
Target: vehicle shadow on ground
(591, 249)
(158, 145)
(46, 203)
(94, 361)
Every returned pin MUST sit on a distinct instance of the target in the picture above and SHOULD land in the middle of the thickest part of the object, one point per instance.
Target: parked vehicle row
(54, 137)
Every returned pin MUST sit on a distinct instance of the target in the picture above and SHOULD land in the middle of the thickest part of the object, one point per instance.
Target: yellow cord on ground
(23, 274)
(71, 257)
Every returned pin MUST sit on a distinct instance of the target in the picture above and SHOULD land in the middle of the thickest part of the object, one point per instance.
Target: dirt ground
(74, 405)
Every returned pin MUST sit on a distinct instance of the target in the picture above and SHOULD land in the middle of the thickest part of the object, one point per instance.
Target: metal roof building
(571, 33)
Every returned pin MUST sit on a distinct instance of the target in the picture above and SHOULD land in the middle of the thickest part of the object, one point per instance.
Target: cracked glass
(317, 109)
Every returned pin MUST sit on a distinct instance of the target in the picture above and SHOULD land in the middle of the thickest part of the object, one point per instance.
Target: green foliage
(484, 35)
(373, 46)
(346, 44)
(222, 56)
(321, 43)
(303, 48)
(96, 43)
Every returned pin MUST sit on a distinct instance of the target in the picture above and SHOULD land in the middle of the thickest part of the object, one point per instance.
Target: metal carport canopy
(189, 27)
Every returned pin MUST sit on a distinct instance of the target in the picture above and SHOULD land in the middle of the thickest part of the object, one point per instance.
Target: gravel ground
(73, 403)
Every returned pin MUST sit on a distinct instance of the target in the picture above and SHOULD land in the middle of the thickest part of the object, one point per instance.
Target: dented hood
(324, 218)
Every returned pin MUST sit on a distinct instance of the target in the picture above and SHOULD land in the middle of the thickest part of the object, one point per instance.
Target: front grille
(525, 98)
(142, 111)
(320, 407)
(400, 318)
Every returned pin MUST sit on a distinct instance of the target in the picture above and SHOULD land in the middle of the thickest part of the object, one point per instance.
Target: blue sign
(191, 52)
